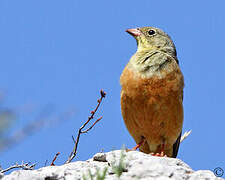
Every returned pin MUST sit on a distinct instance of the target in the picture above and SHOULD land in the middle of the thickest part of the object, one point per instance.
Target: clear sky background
(63, 52)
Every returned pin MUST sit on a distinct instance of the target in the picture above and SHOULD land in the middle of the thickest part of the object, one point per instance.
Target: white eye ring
(151, 32)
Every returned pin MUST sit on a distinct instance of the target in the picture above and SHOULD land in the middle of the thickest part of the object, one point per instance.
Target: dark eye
(151, 32)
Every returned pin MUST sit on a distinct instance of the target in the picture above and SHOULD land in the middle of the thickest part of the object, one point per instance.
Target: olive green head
(151, 38)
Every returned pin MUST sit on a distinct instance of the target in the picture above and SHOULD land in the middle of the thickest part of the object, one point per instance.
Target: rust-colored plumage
(152, 93)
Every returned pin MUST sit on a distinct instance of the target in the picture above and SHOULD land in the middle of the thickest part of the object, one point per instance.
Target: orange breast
(152, 107)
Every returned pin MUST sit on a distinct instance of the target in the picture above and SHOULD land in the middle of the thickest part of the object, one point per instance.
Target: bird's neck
(149, 62)
(143, 51)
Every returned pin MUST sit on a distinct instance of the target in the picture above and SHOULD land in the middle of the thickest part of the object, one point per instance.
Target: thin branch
(23, 166)
(73, 139)
(52, 164)
(185, 135)
(92, 125)
(74, 152)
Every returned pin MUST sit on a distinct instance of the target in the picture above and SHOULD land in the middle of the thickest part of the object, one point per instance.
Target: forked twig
(92, 125)
(74, 152)
(23, 166)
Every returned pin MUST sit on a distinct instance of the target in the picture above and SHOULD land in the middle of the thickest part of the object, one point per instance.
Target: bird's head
(151, 38)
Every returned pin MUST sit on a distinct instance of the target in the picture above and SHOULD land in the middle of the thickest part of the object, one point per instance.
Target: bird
(152, 93)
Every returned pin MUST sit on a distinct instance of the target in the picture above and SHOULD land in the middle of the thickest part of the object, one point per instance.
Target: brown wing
(177, 143)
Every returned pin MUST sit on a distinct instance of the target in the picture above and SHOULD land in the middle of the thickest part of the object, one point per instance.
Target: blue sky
(63, 52)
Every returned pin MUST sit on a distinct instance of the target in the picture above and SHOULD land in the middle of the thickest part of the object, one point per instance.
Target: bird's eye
(151, 32)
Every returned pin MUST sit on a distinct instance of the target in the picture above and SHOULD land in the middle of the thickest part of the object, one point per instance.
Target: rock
(127, 165)
(100, 157)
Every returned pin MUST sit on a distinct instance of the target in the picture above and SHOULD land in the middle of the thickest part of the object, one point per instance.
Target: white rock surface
(137, 166)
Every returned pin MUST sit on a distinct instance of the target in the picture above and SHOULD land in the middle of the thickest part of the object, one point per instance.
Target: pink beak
(134, 32)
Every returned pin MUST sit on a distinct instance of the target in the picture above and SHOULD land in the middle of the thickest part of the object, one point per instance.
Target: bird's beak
(134, 32)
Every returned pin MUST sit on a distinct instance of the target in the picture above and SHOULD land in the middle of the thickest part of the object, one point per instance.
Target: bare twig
(185, 135)
(74, 152)
(92, 125)
(23, 166)
(73, 140)
(52, 164)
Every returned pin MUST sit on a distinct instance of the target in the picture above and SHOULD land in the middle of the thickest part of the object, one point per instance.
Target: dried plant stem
(81, 131)
(23, 166)
(52, 164)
